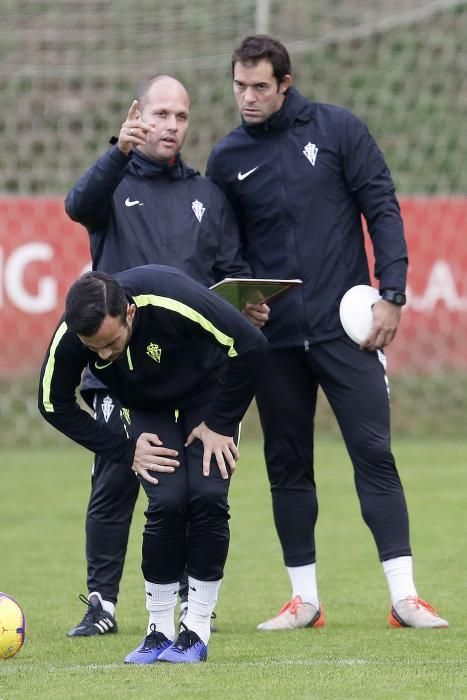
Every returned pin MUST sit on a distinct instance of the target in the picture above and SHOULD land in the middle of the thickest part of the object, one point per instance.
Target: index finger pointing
(133, 111)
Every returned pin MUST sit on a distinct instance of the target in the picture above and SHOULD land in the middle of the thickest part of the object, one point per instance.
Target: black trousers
(355, 385)
(187, 514)
(114, 491)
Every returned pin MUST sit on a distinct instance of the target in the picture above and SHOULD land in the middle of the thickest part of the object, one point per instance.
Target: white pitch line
(264, 663)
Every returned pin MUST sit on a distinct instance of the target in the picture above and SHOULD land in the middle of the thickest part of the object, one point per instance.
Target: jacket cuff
(222, 427)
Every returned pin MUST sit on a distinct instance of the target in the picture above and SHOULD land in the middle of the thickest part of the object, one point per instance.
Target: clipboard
(240, 291)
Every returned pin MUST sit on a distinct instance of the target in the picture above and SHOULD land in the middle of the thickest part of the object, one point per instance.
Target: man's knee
(209, 500)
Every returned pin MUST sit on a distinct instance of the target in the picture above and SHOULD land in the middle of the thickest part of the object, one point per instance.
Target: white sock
(161, 599)
(202, 598)
(106, 604)
(303, 580)
(399, 576)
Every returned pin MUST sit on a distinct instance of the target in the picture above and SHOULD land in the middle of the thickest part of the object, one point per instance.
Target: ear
(285, 83)
(130, 312)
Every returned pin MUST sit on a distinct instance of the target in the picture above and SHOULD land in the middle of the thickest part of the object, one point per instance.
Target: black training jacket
(299, 184)
(138, 212)
(188, 346)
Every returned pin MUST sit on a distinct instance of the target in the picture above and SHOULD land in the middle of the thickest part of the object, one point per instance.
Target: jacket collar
(143, 166)
(295, 108)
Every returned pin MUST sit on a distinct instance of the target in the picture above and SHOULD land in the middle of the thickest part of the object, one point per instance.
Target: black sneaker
(95, 621)
(213, 624)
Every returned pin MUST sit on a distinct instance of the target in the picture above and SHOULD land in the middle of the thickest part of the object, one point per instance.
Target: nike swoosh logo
(102, 366)
(242, 176)
(131, 202)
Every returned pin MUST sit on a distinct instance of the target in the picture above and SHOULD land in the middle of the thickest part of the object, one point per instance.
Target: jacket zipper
(292, 243)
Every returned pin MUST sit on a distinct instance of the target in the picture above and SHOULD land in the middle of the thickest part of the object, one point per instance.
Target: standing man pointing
(141, 203)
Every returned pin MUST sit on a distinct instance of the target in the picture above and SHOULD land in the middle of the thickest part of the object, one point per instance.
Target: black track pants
(114, 490)
(355, 385)
(187, 514)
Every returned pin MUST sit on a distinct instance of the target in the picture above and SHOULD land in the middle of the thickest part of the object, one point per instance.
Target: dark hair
(90, 299)
(256, 47)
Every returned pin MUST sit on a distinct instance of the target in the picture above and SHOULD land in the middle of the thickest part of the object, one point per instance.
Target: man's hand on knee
(151, 456)
(222, 447)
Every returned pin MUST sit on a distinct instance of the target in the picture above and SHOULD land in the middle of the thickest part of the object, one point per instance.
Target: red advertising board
(432, 335)
(42, 252)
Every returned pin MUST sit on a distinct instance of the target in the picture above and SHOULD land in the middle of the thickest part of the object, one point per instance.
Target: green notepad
(241, 291)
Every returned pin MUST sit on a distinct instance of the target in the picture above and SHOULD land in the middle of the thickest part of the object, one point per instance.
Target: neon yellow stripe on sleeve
(128, 355)
(181, 308)
(49, 368)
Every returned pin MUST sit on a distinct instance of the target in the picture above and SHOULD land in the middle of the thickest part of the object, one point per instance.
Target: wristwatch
(395, 297)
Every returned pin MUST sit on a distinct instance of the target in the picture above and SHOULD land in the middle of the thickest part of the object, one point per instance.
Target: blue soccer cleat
(149, 651)
(187, 649)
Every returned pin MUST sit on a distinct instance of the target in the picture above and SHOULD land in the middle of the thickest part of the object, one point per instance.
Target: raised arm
(89, 200)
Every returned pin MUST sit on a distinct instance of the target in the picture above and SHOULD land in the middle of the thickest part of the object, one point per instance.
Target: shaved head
(163, 104)
(163, 83)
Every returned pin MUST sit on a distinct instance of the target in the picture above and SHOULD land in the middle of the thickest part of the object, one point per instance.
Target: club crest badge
(311, 152)
(107, 408)
(154, 352)
(198, 209)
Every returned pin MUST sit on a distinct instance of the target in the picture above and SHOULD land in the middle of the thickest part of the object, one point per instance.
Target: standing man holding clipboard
(300, 175)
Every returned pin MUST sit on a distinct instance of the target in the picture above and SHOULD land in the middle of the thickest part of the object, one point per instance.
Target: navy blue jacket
(299, 183)
(138, 211)
(188, 347)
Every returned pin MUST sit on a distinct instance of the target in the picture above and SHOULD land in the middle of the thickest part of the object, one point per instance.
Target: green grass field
(43, 498)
